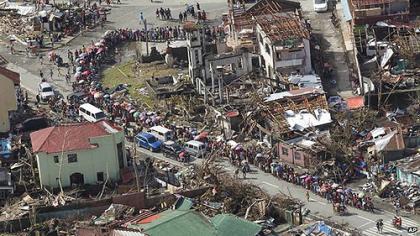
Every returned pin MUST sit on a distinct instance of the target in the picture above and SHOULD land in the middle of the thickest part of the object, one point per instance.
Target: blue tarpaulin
(319, 227)
(346, 10)
(5, 148)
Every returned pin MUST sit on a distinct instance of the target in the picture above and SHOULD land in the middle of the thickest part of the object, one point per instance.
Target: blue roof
(346, 10)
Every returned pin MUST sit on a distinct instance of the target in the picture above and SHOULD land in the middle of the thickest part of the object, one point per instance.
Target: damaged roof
(13, 76)
(69, 137)
(283, 29)
(293, 93)
(265, 7)
(409, 164)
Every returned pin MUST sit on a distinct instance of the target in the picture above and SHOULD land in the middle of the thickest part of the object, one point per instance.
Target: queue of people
(336, 194)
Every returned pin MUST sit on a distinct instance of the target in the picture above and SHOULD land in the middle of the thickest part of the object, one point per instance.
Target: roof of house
(13, 76)
(264, 7)
(191, 222)
(243, 18)
(293, 93)
(283, 29)
(177, 222)
(69, 137)
(230, 225)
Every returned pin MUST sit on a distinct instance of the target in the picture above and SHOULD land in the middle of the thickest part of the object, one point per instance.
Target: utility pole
(147, 34)
(135, 165)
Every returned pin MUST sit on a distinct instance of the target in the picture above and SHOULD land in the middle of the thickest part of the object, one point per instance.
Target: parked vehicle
(320, 5)
(172, 150)
(195, 148)
(148, 141)
(45, 91)
(91, 113)
(76, 96)
(162, 133)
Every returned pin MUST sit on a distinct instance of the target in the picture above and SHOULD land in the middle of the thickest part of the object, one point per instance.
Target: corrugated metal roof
(116, 232)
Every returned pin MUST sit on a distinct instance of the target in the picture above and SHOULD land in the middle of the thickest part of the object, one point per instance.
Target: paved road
(364, 221)
(125, 15)
(333, 47)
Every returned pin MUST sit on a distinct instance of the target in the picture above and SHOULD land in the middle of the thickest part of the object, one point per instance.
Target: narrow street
(332, 46)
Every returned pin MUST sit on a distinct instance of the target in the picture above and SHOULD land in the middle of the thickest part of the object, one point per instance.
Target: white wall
(104, 159)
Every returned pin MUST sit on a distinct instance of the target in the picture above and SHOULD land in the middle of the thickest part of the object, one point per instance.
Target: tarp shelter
(319, 228)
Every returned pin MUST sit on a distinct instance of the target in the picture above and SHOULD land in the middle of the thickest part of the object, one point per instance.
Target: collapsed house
(287, 114)
(386, 141)
(408, 170)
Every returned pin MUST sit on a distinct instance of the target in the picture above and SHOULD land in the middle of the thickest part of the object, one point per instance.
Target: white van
(91, 113)
(162, 133)
(195, 148)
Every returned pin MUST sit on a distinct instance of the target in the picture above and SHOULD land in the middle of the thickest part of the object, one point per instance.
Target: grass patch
(124, 74)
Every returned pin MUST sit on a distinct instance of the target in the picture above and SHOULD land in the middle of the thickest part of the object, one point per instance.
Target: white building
(283, 41)
(82, 153)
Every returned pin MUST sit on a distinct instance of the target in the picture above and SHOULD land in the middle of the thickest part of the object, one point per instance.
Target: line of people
(336, 194)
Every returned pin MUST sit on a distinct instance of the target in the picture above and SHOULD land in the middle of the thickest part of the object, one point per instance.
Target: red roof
(13, 76)
(355, 102)
(69, 137)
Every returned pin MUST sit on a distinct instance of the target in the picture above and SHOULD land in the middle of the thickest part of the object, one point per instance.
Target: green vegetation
(125, 74)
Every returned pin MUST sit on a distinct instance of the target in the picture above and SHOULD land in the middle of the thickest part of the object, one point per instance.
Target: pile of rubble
(14, 25)
(230, 195)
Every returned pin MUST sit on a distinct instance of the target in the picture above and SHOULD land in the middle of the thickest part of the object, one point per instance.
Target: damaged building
(284, 45)
(290, 114)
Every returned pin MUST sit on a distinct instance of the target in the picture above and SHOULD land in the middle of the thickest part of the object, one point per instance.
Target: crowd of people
(165, 13)
(336, 194)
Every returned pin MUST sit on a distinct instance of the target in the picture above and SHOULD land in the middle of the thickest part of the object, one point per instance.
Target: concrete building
(303, 151)
(283, 45)
(8, 82)
(408, 170)
(209, 66)
(241, 27)
(86, 153)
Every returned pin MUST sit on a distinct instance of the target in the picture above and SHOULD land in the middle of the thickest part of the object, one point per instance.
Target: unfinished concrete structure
(210, 71)
(287, 114)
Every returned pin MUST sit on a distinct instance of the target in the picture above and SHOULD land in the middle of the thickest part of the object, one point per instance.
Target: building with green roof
(193, 223)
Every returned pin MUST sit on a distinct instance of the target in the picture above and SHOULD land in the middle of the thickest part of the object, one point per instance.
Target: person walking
(236, 173)
(244, 172)
(51, 73)
(38, 99)
(379, 225)
(307, 195)
(41, 74)
(198, 6)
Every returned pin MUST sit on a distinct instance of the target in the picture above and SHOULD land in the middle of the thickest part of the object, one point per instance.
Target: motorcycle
(397, 222)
